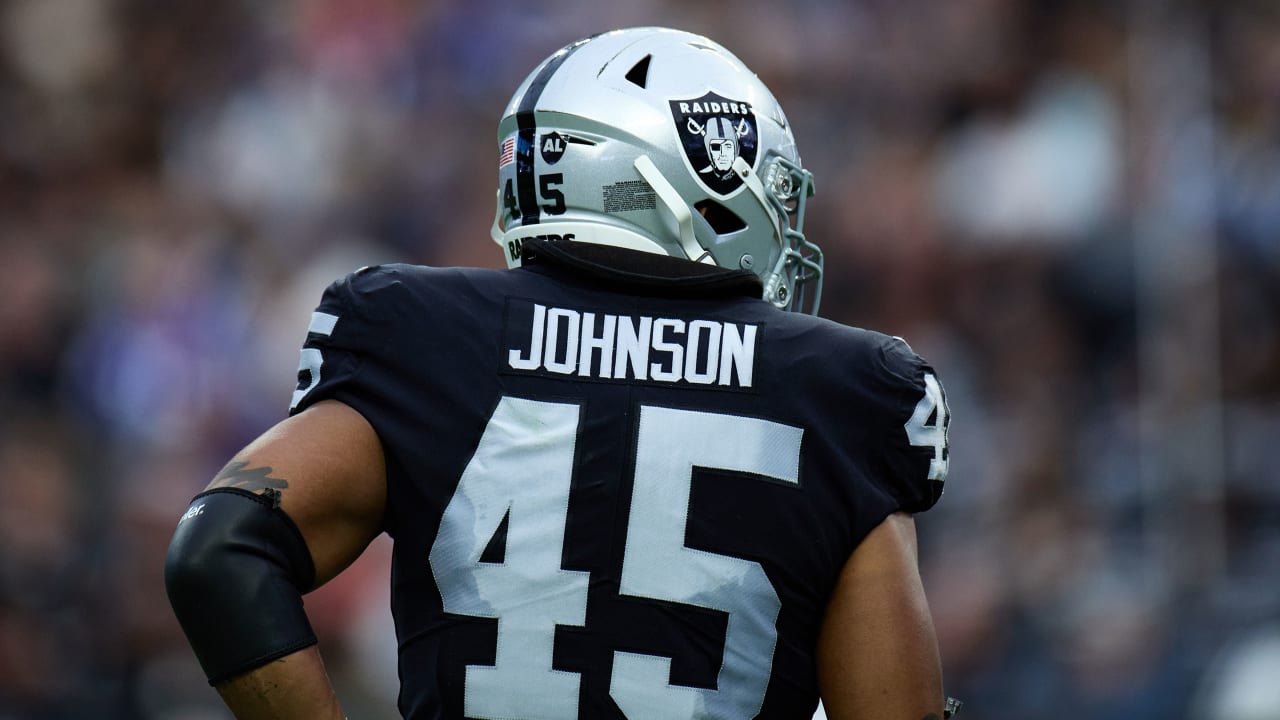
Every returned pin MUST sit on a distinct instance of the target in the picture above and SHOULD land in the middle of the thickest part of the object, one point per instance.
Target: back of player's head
(658, 140)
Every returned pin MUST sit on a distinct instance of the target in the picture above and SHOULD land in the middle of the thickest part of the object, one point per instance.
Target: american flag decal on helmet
(507, 152)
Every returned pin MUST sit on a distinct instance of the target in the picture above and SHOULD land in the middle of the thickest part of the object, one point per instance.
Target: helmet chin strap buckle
(675, 205)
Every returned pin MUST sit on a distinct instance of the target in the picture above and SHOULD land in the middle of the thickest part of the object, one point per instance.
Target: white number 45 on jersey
(530, 594)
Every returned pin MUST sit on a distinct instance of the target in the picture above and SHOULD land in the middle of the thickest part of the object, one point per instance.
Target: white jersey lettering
(564, 341)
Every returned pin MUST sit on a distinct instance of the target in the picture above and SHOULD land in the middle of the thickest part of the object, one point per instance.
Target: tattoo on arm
(237, 474)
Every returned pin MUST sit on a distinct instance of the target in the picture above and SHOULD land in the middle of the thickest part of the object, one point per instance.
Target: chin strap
(675, 205)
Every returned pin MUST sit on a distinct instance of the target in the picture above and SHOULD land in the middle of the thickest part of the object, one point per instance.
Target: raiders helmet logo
(714, 132)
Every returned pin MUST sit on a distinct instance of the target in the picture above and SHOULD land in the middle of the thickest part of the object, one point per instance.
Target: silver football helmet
(658, 140)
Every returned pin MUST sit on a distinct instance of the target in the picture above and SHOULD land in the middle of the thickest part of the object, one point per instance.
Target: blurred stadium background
(1071, 207)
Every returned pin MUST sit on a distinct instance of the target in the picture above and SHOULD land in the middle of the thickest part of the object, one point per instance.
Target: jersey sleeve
(912, 457)
(348, 330)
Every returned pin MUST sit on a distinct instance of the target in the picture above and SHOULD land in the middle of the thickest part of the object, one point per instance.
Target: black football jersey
(619, 485)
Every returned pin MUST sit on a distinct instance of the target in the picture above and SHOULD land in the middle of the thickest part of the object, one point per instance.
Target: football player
(627, 477)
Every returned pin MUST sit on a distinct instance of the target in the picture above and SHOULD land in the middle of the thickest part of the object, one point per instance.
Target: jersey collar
(639, 272)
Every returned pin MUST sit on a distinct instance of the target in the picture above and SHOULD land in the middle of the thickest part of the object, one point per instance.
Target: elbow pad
(235, 573)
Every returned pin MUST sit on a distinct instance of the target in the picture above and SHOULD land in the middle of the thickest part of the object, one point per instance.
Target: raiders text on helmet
(658, 140)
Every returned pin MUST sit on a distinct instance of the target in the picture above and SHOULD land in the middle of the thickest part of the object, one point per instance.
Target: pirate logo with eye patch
(715, 131)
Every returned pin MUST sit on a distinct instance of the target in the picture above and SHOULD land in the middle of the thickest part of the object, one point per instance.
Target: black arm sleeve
(235, 573)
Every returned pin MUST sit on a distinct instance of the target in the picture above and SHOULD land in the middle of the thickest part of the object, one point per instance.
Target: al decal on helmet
(714, 132)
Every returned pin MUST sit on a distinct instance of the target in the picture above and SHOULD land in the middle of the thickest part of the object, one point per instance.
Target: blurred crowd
(1071, 207)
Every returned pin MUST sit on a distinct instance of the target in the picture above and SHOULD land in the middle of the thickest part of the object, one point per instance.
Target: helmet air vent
(639, 73)
(721, 219)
